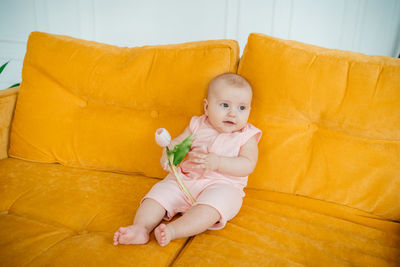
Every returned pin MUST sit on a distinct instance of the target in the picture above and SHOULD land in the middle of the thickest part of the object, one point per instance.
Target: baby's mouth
(229, 123)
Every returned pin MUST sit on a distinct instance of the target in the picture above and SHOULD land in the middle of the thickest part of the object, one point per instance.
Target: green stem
(172, 166)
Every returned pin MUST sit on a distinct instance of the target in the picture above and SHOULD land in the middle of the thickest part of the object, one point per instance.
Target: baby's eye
(242, 107)
(224, 105)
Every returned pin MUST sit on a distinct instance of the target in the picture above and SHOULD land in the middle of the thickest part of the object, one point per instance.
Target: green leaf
(170, 152)
(181, 149)
(14, 85)
(3, 66)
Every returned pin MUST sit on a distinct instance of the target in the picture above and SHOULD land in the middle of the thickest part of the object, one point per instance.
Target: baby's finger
(201, 155)
(191, 155)
(197, 160)
(201, 166)
(197, 155)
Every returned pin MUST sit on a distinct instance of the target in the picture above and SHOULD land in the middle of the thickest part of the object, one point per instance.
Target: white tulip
(163, 138)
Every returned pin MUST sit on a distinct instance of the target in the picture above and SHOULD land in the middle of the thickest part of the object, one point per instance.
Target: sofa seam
(180, 252)
(45, 250)
(42, 221)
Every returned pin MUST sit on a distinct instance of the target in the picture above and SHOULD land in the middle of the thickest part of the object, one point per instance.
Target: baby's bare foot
(163, 234)
(134, 234)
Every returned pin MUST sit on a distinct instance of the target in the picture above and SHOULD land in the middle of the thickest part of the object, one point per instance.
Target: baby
(223, 153)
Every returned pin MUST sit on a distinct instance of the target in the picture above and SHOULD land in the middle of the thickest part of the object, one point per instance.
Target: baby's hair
(232, 79)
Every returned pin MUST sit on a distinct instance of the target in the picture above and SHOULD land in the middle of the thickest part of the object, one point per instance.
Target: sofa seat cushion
(56, 215)
(277, 229)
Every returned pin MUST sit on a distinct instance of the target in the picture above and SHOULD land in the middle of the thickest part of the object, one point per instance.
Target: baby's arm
(240, 166)
(177, 140)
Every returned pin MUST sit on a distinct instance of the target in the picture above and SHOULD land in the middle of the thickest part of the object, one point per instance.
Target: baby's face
(228, 107)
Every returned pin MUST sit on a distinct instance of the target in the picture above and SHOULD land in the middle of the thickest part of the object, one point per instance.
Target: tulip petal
(163, 138)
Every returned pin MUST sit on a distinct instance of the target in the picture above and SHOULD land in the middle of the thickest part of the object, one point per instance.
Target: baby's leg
(148, 216)
(195, 221)
(219, 202)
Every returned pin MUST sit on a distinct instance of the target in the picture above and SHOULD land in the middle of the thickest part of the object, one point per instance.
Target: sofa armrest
(8, 98)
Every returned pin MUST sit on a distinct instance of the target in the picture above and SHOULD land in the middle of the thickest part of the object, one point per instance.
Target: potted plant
(1, 70)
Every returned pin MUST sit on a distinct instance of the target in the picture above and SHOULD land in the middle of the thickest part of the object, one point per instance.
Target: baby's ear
(205, 106)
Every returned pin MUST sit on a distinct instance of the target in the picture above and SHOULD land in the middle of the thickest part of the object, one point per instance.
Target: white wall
(368, 26)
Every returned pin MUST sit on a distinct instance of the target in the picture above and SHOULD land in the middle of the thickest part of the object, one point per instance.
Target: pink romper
(220, 191)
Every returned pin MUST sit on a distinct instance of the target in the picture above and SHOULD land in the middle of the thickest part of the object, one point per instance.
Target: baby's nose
(231, 112)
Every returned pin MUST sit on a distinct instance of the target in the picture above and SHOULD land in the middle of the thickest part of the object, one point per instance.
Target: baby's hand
(209, 162)
(164, 161)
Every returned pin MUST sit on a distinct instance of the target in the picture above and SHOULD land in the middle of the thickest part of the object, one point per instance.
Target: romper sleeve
(195, 123)
(249, 133)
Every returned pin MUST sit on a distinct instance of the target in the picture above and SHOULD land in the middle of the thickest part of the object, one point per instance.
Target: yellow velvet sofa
(78, 153)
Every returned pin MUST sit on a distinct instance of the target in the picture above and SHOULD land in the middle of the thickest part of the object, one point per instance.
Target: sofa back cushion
(92, 105)
(330, 122)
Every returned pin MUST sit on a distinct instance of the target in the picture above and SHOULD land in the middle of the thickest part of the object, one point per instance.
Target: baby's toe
(116, 237)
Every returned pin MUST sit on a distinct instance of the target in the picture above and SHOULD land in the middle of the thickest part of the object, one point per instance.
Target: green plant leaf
(3, 66)
(170, 152)
(14, 85)
(181, 149)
